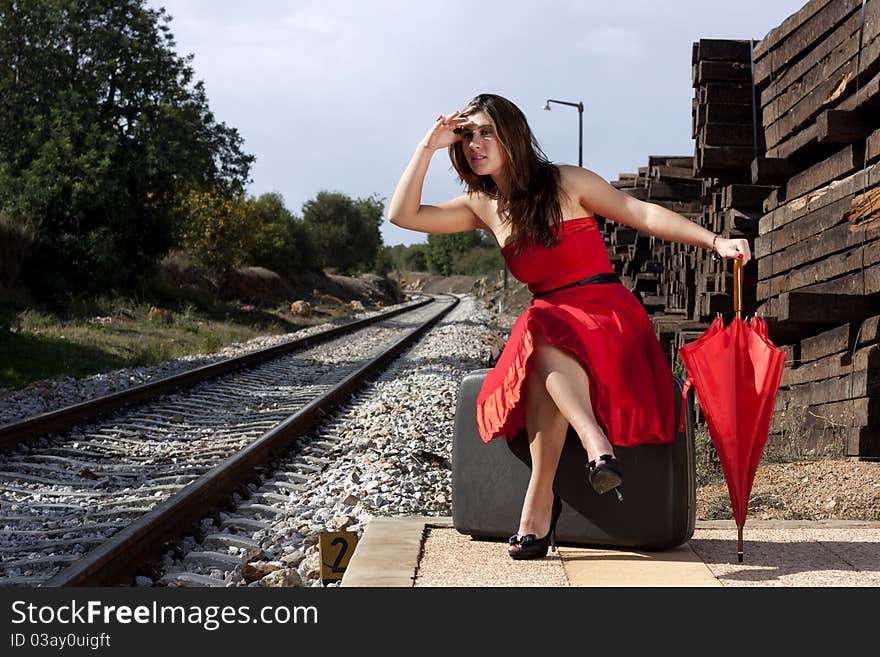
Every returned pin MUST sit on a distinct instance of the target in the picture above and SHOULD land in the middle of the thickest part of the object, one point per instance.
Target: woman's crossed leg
(557, 395)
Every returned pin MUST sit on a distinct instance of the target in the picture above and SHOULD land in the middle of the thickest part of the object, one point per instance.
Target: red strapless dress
(603, 325)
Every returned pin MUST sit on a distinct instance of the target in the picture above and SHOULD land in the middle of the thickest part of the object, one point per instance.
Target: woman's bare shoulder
(577, 183)
(482, 206)
(486, 208)
(579, 174)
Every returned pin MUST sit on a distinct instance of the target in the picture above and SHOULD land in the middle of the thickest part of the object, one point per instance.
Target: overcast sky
(335, 94)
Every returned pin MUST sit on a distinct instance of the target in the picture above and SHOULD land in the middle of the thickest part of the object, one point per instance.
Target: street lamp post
(580, 107)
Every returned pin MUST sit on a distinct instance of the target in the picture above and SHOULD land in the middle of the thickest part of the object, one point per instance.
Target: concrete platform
(421, 551)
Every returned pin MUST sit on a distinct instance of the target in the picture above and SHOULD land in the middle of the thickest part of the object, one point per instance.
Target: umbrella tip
(739, 557)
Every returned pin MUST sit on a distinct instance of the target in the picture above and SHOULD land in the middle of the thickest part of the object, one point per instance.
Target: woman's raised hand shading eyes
(447, 130)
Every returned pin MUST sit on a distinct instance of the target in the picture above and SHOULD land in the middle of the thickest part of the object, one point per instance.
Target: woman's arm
(406, 209)
(607, 201)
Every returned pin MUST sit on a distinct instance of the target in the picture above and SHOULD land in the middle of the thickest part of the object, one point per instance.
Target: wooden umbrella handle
(737, 287)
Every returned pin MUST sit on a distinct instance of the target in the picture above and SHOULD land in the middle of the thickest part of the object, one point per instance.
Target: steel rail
(63, 418)
(119, 557)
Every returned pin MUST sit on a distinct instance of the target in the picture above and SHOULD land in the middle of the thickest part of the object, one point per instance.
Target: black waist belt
(608, 277)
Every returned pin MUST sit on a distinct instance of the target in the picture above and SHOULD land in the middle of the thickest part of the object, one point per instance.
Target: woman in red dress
(584, 353)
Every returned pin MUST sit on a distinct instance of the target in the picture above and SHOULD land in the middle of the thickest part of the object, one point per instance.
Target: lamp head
(546, 106)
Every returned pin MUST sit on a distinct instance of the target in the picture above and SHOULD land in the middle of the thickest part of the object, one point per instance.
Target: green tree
(281, 242)
(470, 252)
(479, 260)
(444, 249)
(103, 131)
(414, 258)
(219, 229)
(344, 231)
(407, 258)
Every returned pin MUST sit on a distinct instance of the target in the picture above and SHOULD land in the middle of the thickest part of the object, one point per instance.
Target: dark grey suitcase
(489, 481)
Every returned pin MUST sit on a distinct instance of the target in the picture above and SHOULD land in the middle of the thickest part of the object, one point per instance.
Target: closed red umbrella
(735, 372)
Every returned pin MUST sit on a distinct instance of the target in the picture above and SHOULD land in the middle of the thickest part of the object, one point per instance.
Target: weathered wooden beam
(735, 219)
(841, 164)
(726, 113)
(863, 442)
(623, 235)
(864, 359)
(726, 134)
(778, 34)
(819, 21)
(780, 126)
(807, 307)
(685, 161)
(792, 74)
(674, 191)
(869, 331)
(820, 198)
(798, 81)
(637, 192)
(840, 339)
(834, 341)
(782, 332)
(770, 171)
(720, 50)
(721, 71)
(804, 141)
(719, 93)
(690, 209)
(872, 146)
(744, 197)
(858, 412)
(858, 214)
(863, 215)
(718, 161)
(815, 247)
(826, 95)
(661, 172)
(861, 383)
(842, 127)
(859, 260)
(863, 280)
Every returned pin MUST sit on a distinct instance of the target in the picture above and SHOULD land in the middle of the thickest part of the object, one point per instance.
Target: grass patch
(106, 334)
(708, 465)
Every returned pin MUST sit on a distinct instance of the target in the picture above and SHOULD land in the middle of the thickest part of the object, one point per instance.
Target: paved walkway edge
(389, 551)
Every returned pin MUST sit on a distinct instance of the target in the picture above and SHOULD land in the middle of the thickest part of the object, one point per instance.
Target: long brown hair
(532, 205)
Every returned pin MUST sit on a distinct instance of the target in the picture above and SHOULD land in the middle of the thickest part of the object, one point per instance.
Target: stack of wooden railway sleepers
(660, 272)
(817, 81)
(726, 142)
(830, 399)
(722, 114)
(646, 264)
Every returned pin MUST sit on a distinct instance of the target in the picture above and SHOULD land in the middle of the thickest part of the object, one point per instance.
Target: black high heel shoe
(605, 475)
(531, 547)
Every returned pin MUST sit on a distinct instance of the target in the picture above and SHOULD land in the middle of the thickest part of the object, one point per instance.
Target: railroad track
(57, 420)
(86, 507)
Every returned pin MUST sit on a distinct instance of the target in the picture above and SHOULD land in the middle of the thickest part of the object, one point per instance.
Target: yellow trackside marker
(335, 549)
